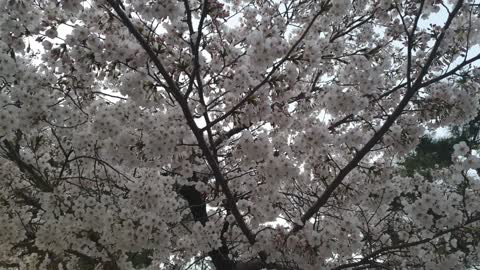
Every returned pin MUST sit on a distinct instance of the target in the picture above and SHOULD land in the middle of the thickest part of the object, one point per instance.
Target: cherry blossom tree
(236, 134)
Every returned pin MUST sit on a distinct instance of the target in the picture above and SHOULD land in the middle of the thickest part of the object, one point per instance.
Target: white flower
(460, 149)
(472, 162)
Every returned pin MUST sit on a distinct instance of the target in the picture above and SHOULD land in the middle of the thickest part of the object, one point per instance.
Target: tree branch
(230, 198)
(379, 134)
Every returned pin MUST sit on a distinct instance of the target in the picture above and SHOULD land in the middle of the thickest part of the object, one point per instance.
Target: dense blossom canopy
(235, 134)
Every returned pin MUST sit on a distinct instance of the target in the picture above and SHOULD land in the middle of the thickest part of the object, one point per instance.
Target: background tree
(236, 134)
(433, 153)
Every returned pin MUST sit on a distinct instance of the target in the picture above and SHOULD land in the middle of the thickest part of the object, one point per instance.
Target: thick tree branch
(379, 134)
(231, 201)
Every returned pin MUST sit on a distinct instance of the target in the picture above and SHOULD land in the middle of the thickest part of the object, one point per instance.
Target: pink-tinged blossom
(236, 134)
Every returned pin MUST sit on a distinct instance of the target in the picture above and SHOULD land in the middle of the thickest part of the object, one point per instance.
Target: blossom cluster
(157, 134)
